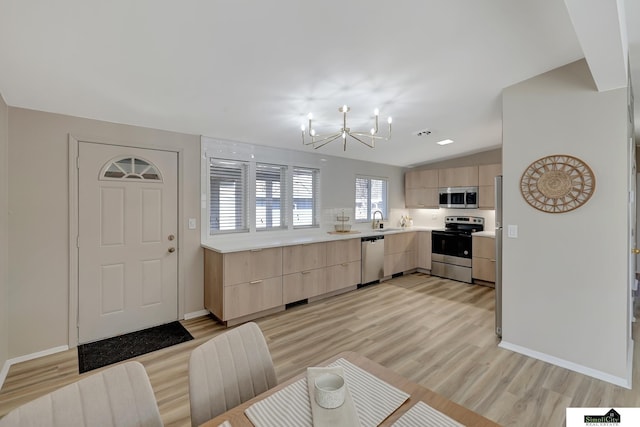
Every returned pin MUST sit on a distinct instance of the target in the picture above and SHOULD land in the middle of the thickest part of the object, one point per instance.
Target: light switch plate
(192, 223)
(512, 231)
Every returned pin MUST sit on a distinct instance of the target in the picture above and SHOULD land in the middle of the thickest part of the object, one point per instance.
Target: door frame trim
(74, 144)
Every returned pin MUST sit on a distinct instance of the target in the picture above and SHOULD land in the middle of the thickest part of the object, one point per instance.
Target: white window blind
(228, 196)
(305, 197)
(371, 196)
(270, 196)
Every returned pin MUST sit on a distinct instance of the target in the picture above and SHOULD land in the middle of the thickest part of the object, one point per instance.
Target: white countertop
(270, 239)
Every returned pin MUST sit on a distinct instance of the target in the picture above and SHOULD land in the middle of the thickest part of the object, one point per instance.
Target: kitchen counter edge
(237, 243)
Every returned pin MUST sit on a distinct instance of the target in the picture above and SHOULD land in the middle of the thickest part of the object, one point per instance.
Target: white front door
(127, 240)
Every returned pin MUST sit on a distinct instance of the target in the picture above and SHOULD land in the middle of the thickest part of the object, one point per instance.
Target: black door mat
(112, 350)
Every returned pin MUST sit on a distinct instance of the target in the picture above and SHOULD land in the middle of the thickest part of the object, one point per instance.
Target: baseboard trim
(195, 314)
(619, 381)
(13, 361)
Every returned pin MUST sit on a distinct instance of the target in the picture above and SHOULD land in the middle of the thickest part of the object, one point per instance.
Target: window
(130, 168)
(270, 194)
(305, 197)
(371, 196)
(228, 196)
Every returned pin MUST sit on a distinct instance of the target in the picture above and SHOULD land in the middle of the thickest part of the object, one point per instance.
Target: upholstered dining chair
(117, 396)
(228, 370)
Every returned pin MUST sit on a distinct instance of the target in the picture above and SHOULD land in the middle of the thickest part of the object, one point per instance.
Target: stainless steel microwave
(459, 197)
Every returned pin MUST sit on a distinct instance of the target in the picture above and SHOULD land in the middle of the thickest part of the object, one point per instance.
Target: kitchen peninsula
(249, 276)
(252, 276)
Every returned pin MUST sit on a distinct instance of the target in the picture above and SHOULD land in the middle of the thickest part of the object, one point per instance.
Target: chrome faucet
(376, 224)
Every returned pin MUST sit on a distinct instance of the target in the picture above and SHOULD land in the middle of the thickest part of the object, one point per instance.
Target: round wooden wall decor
(557, 184)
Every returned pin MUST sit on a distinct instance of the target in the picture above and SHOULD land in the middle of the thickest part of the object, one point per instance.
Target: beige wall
(39, 216)
(565, 295)
(4, 229)
(482, 158)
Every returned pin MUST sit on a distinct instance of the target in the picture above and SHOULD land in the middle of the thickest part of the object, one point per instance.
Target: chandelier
(366, 138)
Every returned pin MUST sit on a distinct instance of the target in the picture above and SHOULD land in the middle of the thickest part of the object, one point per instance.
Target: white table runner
(423, 415)
(374, 400)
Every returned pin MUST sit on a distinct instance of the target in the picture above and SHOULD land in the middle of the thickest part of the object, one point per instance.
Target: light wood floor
(434, 331)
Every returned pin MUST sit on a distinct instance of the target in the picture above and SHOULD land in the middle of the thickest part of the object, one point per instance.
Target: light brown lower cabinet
(424, 250)
(243, 285)
(248, 298)
(483, 262)
(400, 253)
(240, 284)
(303, 285)
(344, 275)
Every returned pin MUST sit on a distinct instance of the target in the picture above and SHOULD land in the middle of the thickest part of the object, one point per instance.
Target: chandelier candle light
(361, 137)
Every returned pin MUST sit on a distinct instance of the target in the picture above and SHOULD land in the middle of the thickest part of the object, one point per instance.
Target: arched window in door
(130, 168)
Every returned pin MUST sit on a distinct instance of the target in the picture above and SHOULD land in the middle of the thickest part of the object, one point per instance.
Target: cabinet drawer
(342, 275)
(302, 285)
(400, 262)
(303, 257)
(252, 297)
(401, 242)
(247, 266)
(483, 247)
(484, 269)
(339, 251)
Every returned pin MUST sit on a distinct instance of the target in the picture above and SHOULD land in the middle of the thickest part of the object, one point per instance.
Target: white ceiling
(251, 71)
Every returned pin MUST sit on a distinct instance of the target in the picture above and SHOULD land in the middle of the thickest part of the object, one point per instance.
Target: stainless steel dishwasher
(372, 259)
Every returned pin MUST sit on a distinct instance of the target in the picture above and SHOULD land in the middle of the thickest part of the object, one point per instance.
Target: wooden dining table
(237, 418)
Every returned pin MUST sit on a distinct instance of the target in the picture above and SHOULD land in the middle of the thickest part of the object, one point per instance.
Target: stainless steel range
(451, 247)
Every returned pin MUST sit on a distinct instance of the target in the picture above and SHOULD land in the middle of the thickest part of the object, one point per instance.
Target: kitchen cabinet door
(425, 178)
(339, 251)
(248, 298)
(483, 262)
(342, 276)
(303, 285)
(421, 198)
(400, 252)
(421, 189)
(424, 250)
(458, 177)
(255, 264)
(303, 257)
(486, 190)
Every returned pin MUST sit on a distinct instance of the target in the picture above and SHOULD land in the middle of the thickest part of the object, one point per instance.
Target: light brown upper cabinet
(486, 189)
(458, 177)
(421, 188)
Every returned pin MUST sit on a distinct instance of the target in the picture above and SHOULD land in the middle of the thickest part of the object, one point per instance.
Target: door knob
(172, 250)
(171, 237)
(635, 251)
